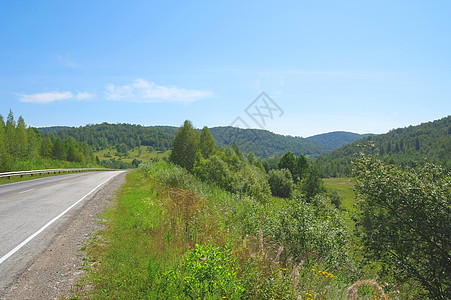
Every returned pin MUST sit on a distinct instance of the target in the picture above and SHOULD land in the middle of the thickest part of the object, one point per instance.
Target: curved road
(32, 213)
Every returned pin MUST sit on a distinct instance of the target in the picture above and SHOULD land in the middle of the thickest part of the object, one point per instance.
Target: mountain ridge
(263, 143)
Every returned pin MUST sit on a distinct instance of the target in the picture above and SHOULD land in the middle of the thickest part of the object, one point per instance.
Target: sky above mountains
(323, 66)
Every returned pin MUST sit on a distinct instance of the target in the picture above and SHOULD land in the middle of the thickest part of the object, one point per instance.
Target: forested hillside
(413, 145)
(262, 143)
(24, 148)
(333, 140)
(103, 136)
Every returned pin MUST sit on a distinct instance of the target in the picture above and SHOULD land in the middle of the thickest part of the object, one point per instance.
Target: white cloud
(46, 97)
(142, 91)
(84, 96)
(54, 96)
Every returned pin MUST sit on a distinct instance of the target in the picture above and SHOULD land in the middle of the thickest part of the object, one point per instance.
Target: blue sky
(360, 66)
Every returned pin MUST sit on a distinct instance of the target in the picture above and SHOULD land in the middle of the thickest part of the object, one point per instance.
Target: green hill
(125, 137)
(333, 140)
(413, 145)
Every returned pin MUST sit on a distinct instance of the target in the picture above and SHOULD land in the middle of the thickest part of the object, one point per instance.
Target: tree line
(126, 136)
(20, 143)
(235, 171)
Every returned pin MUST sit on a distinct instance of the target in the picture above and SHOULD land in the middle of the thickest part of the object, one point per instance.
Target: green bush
(252, 182)
(281, 183)
(405, 221)
(214, 170)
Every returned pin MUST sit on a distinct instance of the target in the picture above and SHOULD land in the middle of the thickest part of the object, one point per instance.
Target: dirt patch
(55, 273)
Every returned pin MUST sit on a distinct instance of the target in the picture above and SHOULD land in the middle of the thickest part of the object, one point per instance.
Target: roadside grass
(140, 153)
(172, 236)
(118, 257)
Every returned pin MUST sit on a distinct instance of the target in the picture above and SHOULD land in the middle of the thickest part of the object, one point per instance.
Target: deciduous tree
(405, 221)
(185, 146)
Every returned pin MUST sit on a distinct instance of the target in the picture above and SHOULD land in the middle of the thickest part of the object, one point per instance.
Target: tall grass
(172, 236)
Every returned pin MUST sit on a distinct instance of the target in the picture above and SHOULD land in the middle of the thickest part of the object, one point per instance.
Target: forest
(24, 148)
(262, 143)
(411, 146)
(212, 222)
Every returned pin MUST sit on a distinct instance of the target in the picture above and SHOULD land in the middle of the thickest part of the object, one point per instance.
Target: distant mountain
(262, 142)
(265, 143)
(333, 140)
(427, 142)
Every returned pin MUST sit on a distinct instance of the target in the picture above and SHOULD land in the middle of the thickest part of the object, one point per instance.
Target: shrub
(214, 170)
(252, 182)
(405, 221)
(281, 183)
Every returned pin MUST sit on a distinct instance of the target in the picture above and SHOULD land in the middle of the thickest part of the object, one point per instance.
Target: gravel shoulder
(54, 274)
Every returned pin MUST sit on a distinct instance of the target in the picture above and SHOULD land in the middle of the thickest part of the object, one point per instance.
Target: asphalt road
(33, 213)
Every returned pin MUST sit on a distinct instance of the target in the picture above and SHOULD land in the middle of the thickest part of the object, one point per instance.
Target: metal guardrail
(49, 171)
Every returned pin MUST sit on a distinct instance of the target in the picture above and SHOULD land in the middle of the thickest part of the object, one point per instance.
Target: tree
(207, 142)
(405, 221)
(312, 185)
(301, 168)
(21, 138)
(281, 183)
(10, 134)
(185, 146)
(214, 170)
(2, 137)
(287, 161)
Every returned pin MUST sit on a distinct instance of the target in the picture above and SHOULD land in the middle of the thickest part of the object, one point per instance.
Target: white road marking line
(17, 248)
(26, 191)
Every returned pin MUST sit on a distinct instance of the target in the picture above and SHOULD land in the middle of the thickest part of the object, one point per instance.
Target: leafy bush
(214, 170)
(211, 271)
(281, 183)
(311, 231)
(405, 221)
(252, 182)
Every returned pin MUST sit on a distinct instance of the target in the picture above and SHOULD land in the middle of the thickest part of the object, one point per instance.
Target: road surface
(33, 213)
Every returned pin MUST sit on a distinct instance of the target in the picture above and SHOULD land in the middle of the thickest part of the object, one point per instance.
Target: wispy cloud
(67, 61)
(142, 91)
(84, 96)
(54, 96)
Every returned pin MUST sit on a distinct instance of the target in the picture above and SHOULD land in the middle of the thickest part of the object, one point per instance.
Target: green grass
(122, 252)
(172, 236)
(144, 156)
(345, 189)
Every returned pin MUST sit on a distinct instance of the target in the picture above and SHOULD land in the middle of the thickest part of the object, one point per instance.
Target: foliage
(281, 183)
(104, 136)
(198, 241)
(207, 142)
(214, 170)
(21, 145)
(298, 166)
(185, 146)
(252, 182)
(288, 162)
(312, 185)
(410, 146)
(210, 272)
(405, 221)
